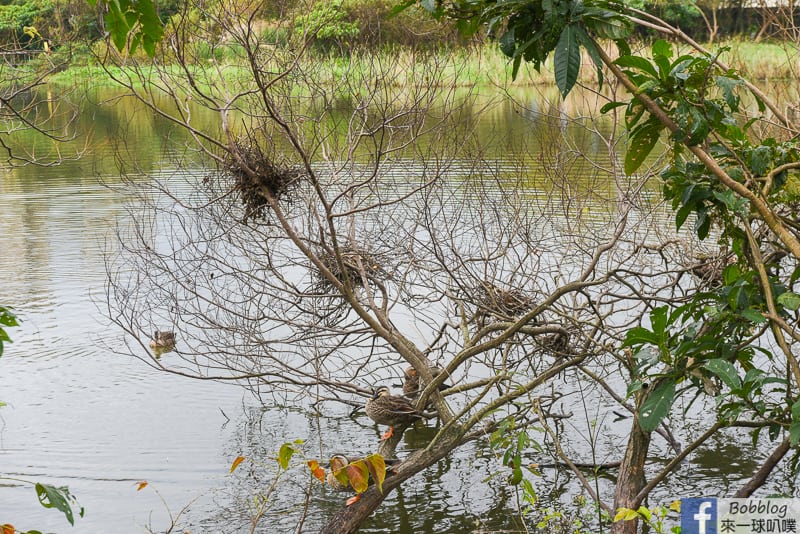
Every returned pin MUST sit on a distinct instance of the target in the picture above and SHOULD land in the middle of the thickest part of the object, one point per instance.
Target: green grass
(476, 65)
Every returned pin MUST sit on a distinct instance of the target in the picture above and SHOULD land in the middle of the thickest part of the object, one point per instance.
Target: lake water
(81, 413)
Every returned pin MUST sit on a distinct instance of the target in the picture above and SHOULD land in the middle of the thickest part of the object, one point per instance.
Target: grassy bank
(475, 65)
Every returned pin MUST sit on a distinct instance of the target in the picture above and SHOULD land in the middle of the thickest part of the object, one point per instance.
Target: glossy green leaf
(612, 105)
(662, 48)
(726, 372)
(789, 300)
(117, 24)
(728, 86)
(641, 144)
(754, 316)
(58, 498)
(637, 63)
(641, 336)
(657, 405)
(591, 48)
(645, 512)
(567, 60)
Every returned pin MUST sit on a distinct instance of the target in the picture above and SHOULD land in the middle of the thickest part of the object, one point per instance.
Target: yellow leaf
(625, 514)
(285, 455)
(338, 469)
(316, 470)
(645, 512)
(377, 468)
(236, 462)
(141, 485)
(358, 475)
(675, 506)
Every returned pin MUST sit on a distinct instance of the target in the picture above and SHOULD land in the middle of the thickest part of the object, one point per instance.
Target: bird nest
(708, 268)
(498, 301)
(257, 178)
(356, 264)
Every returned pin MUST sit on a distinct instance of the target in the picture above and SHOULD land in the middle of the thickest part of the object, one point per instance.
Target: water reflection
(81, 414)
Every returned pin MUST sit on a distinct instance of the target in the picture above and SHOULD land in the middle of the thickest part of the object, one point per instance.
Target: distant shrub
(16, 15)
(327, 24)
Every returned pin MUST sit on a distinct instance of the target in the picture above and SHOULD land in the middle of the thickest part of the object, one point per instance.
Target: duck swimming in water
(162, 342)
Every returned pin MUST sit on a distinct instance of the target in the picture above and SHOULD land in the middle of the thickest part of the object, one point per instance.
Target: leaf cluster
(133, 23)
(7, 320)
(531, 30)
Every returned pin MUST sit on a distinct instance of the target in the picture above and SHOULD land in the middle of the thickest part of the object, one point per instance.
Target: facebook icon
(699, 516)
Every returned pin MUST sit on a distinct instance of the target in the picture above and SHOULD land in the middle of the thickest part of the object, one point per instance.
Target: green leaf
(117, 25)
(657, 405)
(726, 372)
(794, 433)
(633, 113)
(796, 411)
(642, 142)
(567, 60)
(637, 63)
(611, 105)
(645, 512)
(507, 43)
(789, 300)
(641, 336)
(285, 455)
(662, 48)
(58, 498)
(761, 160)
(754, 316)
(633, 387)
(7, 317)
(591, 48)
(728, 86)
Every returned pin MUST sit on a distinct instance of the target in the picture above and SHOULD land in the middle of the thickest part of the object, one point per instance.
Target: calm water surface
(81, 414)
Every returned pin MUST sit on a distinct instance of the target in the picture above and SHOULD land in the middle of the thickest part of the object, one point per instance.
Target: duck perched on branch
(387, 409)
(413, 386)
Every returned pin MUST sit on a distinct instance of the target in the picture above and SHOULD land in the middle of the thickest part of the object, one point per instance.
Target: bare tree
(333, 232)
(29, 114)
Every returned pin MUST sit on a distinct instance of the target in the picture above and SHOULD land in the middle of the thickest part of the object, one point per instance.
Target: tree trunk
(350, 518)
(631, 478)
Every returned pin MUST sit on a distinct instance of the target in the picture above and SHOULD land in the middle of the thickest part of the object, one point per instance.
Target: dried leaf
(358, 475)
(316, 470)
(141, 485)
(377, 468)
(236, 462)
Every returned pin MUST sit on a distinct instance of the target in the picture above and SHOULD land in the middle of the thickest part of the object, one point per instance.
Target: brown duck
(386, 409)
(413, 386)
(163, 341)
